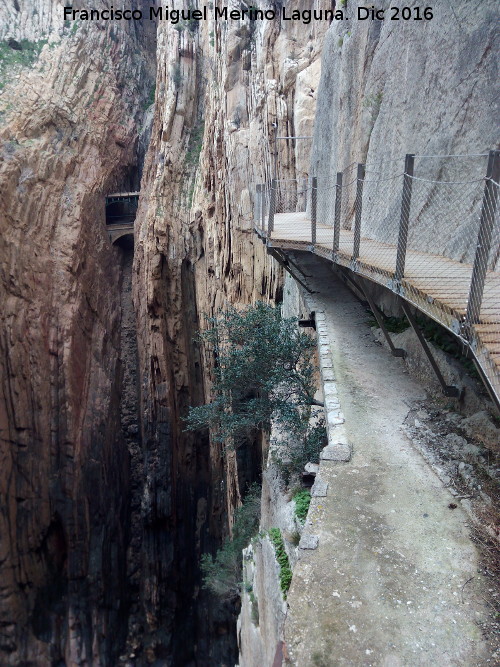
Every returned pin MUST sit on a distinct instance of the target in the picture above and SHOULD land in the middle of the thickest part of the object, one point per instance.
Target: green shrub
(434, 333)
(302, 501)
(222, 573)
(151, 97)
(195, 143)
(192, 25)
(23, 52)
(303, 445)
(14, 55)
(447, 342)
(254, 610)
(282, 558)
(392, 324)
(263, 373)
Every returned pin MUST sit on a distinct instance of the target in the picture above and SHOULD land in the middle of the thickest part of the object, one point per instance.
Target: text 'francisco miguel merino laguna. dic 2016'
(175, 16)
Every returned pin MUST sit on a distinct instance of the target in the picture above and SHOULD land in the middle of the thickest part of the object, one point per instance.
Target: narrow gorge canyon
(107, 501)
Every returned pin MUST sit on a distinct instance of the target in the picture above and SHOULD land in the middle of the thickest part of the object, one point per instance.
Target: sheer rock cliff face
(104, 513)
(219, 90)
(67, 130)
(71, 508)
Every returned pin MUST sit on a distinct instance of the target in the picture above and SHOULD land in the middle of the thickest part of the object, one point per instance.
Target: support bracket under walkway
(448, 390)
(283, 261)
(347, 274)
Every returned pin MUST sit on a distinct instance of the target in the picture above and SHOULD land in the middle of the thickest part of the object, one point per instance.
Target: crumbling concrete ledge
(333, 413)
(392, 578)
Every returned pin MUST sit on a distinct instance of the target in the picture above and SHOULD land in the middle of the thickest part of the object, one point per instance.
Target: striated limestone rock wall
(32, 20)
(72, 128)
(220, 88)
(68, 126)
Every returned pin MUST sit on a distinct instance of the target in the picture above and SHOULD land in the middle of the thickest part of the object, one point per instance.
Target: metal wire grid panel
(292, 196)
(261, 207)
(379, 212)
(288, 199)
(435, 242)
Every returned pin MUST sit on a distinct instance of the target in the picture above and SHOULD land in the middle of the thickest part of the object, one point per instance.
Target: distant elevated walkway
(436, 244)
(121, 209)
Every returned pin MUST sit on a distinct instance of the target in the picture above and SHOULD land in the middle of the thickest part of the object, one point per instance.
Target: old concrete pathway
(394, 580)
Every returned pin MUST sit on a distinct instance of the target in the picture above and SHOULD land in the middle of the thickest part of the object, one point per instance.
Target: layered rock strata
(220, 89)
(67, 130)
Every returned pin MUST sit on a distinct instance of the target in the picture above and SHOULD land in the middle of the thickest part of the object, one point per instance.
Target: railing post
(272, 206)
(357, 220)
(314, 208)
(404, 217)
(258, 204)
(483, 246)
(263, 209)
(338, 205)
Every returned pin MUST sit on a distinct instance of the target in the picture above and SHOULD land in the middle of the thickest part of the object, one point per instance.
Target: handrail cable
(427, 180)
(463, 155)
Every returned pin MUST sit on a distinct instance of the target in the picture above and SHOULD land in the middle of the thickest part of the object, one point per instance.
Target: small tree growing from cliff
(263, 373)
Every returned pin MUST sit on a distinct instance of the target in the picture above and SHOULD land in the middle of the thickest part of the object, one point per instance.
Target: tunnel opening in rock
(125, 243)
(121, 211)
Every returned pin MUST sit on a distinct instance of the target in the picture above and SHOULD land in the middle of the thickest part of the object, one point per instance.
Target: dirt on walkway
(395, 579)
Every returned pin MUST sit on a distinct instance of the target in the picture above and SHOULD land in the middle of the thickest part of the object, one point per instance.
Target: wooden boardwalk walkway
(436, 285)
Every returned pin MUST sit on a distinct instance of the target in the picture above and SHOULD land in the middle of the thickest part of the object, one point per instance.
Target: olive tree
(263, 374)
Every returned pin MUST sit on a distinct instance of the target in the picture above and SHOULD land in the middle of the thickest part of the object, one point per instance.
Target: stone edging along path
(338, 448)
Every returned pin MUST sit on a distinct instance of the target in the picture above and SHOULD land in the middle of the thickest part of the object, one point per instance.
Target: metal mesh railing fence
(292, 196)
(379, 211)
(444, 217)
(434, 238)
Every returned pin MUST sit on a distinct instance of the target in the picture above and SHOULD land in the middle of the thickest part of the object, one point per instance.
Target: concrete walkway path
(394, 580)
